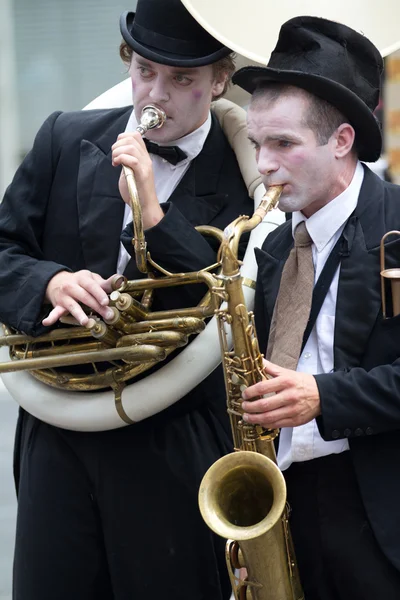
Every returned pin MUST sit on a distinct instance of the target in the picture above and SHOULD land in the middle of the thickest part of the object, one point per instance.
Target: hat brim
(366, 126)
(166, 58)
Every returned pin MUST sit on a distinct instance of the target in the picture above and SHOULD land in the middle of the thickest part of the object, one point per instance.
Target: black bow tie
(173, 154)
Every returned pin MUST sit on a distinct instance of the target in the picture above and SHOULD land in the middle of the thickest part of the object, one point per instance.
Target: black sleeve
(24, 274)
(174, 243)
(357, 402)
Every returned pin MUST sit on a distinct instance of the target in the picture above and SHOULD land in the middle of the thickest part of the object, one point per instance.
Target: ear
(344, 140)
(219, 84)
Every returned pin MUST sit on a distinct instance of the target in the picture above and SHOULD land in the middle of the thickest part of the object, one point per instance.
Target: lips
(269, 184)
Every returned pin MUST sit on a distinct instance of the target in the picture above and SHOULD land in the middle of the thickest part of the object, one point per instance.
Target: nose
(267, 163)
(159, 91)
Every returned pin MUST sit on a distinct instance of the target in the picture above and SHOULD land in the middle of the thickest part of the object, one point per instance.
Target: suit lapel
(100, 206)
(196, 196)
(360, 275)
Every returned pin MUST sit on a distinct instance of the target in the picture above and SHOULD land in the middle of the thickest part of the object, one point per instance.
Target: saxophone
(242, 496)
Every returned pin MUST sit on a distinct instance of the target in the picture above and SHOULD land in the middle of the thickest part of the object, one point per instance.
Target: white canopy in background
(251, 28)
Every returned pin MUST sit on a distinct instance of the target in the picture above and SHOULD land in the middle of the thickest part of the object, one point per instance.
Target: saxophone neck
(234, 231)
(229, 248)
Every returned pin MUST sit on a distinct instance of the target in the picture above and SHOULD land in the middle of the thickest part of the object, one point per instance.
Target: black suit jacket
(360, 399)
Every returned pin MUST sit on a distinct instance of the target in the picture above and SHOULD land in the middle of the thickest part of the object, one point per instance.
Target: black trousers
(114, 515)
(337, 553)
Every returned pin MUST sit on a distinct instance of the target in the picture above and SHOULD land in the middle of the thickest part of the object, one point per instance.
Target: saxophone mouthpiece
(272, 195)
(269, 200)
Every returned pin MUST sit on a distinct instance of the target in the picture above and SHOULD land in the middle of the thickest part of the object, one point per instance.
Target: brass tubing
(87, 382)
(187, 324)
(136, 353)
(211, 231)
(52, 336)
(177, 279)
(151, 118)
(199, 312)
(159, 338)
(147, 299)
(139, 242)
(57, 350)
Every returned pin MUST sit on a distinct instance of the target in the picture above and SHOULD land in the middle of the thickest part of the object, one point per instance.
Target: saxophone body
(243, 495)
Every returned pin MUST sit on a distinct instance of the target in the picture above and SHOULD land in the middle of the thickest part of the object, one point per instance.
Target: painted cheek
(297, 158)
(197, 94)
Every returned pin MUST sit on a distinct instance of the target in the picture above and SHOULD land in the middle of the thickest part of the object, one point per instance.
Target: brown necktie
(293, 304)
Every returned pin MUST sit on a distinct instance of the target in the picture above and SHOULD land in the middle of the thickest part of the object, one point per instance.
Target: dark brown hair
(321, 117)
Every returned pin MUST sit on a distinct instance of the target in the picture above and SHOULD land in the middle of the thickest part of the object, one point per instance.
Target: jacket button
(347, 432)
(335, 434)
(359, 432)
(369, 431)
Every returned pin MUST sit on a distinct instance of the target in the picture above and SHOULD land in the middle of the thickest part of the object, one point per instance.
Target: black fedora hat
(165, 32)
(333, 62)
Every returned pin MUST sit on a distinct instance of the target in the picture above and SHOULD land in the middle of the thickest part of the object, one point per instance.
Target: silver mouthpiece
(151, 118)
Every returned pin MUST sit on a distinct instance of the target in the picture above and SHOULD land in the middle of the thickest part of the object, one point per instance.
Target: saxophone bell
(243, 498)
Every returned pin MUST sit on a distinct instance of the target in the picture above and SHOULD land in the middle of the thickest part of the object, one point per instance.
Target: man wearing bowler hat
(114, 515)
(333, 358)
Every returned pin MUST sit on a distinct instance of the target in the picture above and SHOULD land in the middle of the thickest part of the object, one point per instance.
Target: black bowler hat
(165, 32)
(333, 62)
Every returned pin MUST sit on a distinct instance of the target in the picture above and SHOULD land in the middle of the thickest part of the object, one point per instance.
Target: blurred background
(54, 55)
(59, 55)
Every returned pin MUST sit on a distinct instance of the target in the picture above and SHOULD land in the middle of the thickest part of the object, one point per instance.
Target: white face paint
(184, 94)
(288, 154)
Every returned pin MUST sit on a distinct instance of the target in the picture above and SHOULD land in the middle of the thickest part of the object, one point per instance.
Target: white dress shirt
(166, 176)
(325, 227)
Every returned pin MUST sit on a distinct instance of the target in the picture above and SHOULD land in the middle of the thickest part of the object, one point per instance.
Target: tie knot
(301, 235)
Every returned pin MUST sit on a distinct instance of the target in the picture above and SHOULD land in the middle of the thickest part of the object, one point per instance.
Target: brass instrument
(243, 495)
(394, 276)
(134, 339)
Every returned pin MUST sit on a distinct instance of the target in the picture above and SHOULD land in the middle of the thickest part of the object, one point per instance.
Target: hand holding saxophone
(67, 291)
(293, 399)
(129, 150)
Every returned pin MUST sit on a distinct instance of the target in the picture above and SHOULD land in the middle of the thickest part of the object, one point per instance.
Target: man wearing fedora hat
(333, 359)
(113, 515)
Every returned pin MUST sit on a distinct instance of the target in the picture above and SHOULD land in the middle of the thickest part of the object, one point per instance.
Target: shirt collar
(323, 224)
(191, 144)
